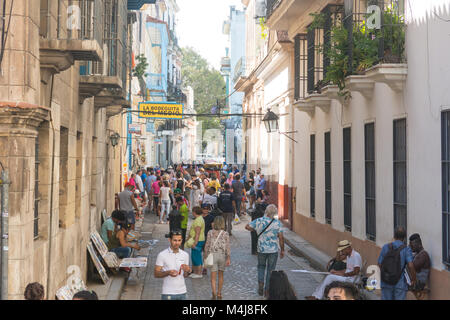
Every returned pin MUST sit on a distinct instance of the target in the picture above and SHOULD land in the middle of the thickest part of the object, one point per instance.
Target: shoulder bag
(258, 235)
(209, 261)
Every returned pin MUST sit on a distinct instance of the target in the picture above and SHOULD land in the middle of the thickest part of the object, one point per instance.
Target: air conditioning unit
(260, 9)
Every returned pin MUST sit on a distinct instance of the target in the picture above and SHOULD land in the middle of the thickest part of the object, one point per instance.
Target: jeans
(266, 261)
(131, 217)
(392, 293)
(259, 194)
(238, 206)
(173, 296)
(165, 208)
(122, 252)
(228, 217)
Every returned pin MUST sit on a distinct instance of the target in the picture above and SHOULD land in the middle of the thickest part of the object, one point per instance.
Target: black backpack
(391, 266)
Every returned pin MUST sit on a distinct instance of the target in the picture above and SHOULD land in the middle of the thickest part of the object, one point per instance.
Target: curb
(316, 258)
(116, 288)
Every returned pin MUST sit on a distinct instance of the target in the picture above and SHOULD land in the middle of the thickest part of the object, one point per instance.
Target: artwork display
(67, 292)
(140, 262)
(101, 270)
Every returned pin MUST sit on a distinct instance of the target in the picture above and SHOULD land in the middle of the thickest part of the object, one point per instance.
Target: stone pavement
(240, 279)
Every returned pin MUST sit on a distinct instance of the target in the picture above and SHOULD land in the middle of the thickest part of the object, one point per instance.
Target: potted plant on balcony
(393, 33)
(139, 72)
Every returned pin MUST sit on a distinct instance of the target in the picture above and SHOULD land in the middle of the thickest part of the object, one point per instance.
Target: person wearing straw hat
(354, 264)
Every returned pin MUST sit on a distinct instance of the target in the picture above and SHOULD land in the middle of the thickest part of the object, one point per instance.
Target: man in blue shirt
(398, 291)
(270, 239)
(260, 187)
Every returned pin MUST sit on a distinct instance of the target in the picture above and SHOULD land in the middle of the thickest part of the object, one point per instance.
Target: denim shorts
(173, 296)
(131, 217)
(196, 254)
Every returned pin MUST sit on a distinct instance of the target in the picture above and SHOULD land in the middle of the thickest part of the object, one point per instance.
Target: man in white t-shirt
(354, 264)
(172, 264)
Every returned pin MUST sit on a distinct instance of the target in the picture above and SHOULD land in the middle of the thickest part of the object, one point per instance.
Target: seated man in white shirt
(354, 263)
(172, 264)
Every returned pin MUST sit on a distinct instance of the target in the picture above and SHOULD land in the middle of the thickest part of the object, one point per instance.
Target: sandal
(219, 297)
(213, 297)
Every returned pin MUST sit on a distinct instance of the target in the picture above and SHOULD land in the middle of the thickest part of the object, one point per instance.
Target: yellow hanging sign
(160, 110)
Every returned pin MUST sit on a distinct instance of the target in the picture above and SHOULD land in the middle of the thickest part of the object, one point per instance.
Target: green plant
(318, 21)
(264, 30)
(393, 33)
(365, 48)
(139, 72)
(339, 63)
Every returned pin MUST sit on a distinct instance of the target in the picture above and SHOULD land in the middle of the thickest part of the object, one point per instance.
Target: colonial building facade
(63, 88)
(371, 127)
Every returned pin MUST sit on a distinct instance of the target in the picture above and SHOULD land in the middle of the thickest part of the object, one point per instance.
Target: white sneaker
(196, 276)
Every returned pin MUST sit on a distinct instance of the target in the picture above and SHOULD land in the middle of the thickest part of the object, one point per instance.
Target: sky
(200, 26)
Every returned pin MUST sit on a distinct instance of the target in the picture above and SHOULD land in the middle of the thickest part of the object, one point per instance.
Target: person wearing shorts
(197, 237)
(218, 243)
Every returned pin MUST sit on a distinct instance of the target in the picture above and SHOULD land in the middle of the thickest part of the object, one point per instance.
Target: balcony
(106, 81)
(174, 93)
(272, 5)
(65, 40)
(282, 14)
(137, 4)
(329, 65)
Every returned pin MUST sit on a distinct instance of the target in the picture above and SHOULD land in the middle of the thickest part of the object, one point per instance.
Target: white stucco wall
(425, 94)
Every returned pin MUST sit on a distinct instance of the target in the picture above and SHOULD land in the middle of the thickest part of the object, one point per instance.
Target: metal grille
(312, 179)
(390, 50)
(400, 174)
(445, 151)
(334, 15)
(311, 59)
(301, 66)
(347, 179)
(114, 28)
(327, 178)
(71, 19)
(369, 156)
(36, 190)
(272, 5)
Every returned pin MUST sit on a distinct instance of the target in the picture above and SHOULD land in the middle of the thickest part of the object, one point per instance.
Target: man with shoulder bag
(270, 239)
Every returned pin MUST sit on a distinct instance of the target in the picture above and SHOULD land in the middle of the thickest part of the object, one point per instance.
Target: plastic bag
(236, 219)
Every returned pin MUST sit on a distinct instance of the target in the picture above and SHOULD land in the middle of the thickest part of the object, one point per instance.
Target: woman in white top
(164, 201)
(197, 193)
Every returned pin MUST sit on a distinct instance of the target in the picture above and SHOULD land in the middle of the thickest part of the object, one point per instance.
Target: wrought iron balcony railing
(272, 5)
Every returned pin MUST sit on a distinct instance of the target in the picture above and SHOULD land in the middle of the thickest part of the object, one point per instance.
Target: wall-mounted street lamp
(271, 122)
(114, 139)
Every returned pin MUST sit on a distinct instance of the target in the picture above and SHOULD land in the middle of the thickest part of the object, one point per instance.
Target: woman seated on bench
(118, 242)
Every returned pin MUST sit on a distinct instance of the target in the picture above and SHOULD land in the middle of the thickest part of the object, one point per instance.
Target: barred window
(312, 168)
(445, 151)
(369, 155)
(347, 179)
(36, 190)
(301, 66)
(327, 178)
(400, 174)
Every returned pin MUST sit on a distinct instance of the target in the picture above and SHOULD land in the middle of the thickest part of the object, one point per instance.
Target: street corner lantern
(271, 121)
(114, 139)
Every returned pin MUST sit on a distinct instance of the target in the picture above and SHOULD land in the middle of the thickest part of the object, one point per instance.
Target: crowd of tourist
(214, 199)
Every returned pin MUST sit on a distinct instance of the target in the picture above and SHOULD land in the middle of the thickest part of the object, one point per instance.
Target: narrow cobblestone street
(240, 279)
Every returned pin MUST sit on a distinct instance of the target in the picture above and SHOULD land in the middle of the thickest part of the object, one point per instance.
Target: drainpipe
(4, 232)
(52, 172)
